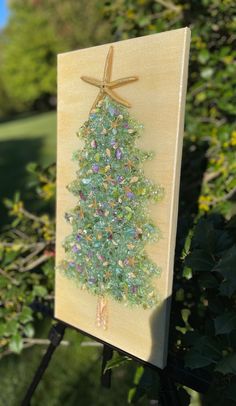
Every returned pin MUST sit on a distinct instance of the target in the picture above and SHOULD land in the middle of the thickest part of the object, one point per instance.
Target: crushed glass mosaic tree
(105, 252)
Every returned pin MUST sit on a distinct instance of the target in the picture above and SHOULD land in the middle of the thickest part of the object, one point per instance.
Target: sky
(3, 13)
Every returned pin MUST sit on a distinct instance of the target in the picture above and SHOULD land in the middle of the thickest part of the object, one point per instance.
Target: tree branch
(169, 5)
(35, 263)
(32, 216)
(39, 248)
(209, 176)
(29, 342)
(226, 197)
(5, 274)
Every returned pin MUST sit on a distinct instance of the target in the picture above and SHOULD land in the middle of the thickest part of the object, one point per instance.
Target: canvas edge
(176, 182)
(62, 54)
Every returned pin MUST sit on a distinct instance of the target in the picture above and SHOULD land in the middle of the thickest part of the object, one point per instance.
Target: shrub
(27, 248)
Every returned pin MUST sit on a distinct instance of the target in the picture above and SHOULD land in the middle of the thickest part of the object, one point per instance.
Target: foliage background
(203, 321)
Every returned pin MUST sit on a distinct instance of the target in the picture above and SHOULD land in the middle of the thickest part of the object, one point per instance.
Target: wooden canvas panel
(158, 101)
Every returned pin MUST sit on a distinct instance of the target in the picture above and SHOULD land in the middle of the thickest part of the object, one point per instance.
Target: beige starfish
(106, 86)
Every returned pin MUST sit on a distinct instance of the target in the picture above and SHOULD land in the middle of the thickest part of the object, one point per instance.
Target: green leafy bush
(27, 249)
(208, 297)
(203, 322)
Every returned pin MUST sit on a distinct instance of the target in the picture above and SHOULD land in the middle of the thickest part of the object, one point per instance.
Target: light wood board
(158, 101)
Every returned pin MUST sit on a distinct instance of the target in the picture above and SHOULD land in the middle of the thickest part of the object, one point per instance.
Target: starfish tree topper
(106, 86)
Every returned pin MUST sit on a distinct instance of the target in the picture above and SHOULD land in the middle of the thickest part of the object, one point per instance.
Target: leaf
(215, 303)
(207, 73)
(183, 395)
(227, 288)
(147, 382)
(136, 392)
(16, 344)
(116, 361)
(29, 330)
(187, 273)
(145, 20)
(16, 222)
(4, 282)
(9, 257)
(132, 395)
(32, 167)
(40, 291)
(208, 280)
(2, 329)
(227, 365)
(195, 360)
(8, 203)
(204, 235)
(203, 56)
(210, 236)
(138, 374)
(179, 296)
(224, 241)
(227, 262)
(204, 352)
(227, 265)
(231, 223)
(208, 345)
(225, 323)
(187, 244)
(200, 261)
(11, 327)
(25, 315)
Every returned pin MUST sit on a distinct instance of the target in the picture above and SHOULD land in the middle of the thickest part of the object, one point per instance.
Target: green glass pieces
(105, 252)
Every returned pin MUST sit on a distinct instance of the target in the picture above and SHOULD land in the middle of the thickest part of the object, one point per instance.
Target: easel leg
(55, 336)
(106, 356)
(169, 393)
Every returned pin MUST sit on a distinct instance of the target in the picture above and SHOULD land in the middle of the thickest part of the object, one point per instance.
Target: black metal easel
(55, 336)
(175, 372)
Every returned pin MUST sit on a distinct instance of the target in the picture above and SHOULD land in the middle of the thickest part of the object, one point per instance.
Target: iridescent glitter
(105, 253)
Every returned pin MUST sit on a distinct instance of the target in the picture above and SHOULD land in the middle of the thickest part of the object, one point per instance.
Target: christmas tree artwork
(105, 252)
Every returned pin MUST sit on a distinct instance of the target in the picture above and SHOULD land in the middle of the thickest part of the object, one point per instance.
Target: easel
(175, 372)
